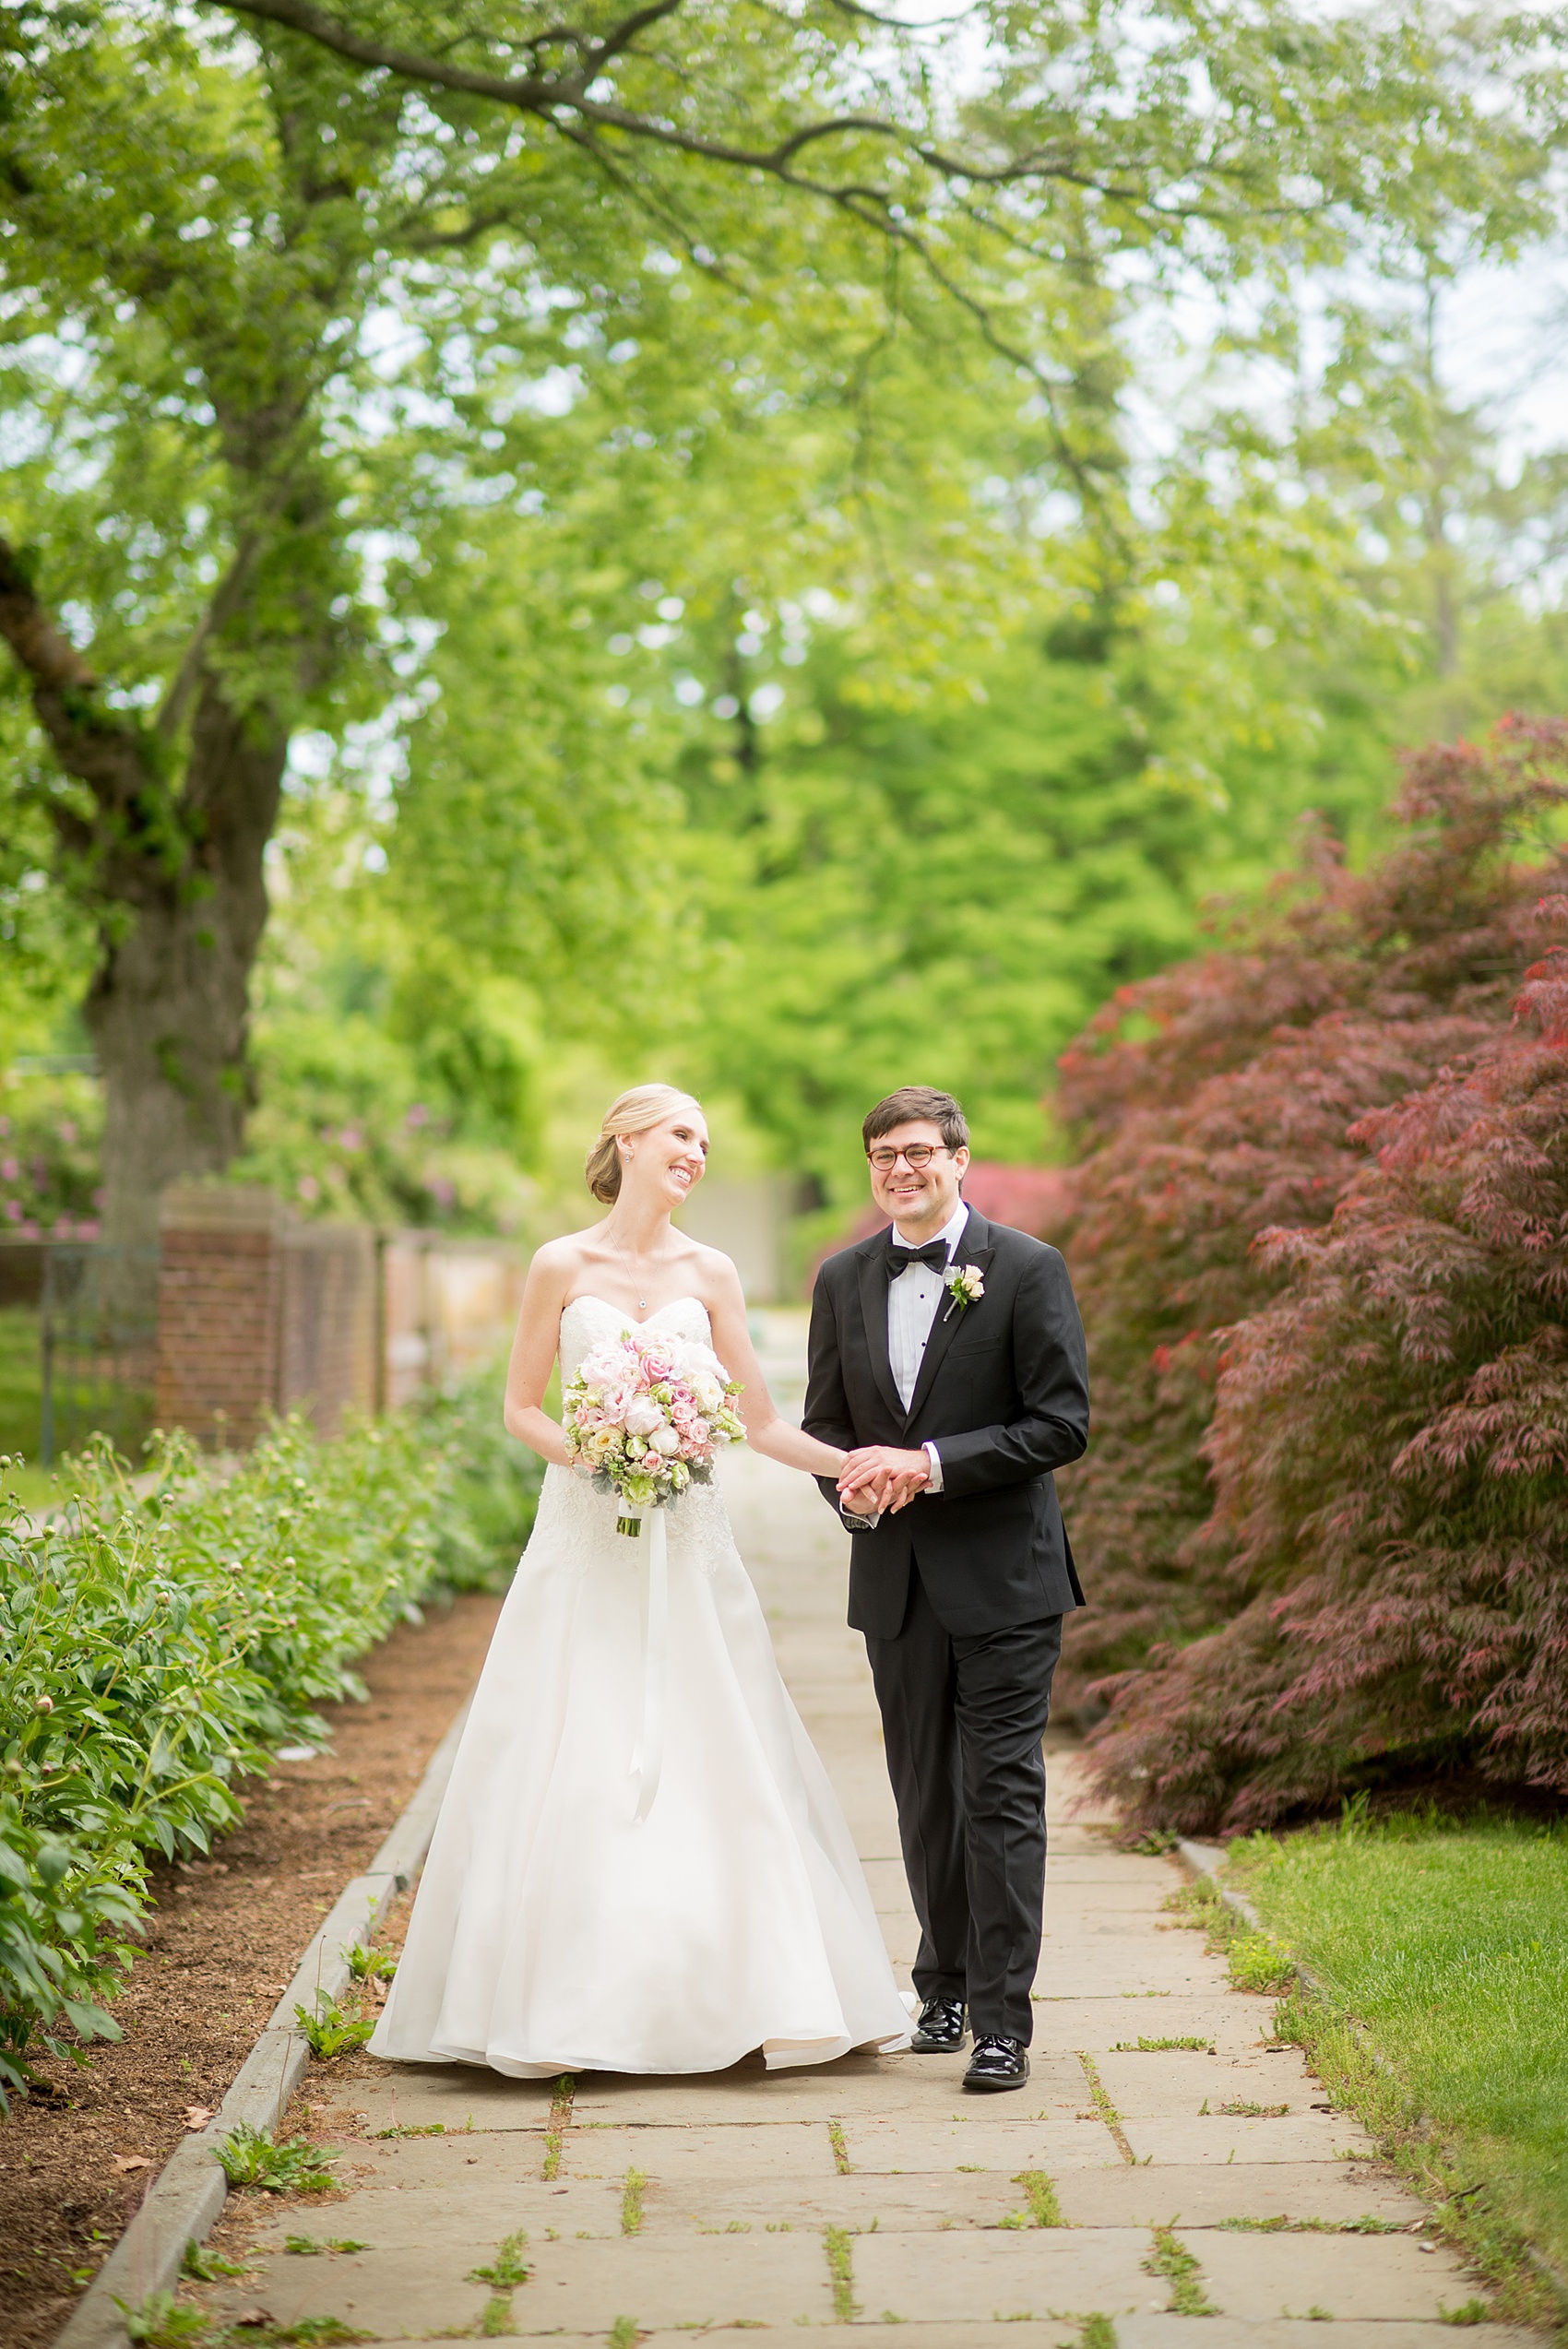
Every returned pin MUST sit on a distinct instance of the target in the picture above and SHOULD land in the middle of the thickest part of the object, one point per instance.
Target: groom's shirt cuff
(933, 1483)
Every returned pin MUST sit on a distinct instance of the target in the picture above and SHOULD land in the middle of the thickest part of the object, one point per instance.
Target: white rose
(709, 1394)
(664, 1440)
(642, 1416)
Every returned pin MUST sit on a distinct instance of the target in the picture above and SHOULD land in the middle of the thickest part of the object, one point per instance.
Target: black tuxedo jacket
(1002, 1392)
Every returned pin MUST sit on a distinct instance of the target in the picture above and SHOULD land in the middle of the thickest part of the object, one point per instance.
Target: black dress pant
(962, 1719)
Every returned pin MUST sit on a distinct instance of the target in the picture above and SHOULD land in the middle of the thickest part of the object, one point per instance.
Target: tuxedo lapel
(975, 1249)
(873, 1275)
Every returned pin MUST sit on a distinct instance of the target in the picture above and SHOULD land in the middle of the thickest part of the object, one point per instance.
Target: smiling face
(667, 1161)
(920, 1200)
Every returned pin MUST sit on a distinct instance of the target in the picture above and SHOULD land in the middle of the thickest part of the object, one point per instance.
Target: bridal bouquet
(645, 1416)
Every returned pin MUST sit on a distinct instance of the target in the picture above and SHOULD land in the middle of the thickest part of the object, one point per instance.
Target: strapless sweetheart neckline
(589, 1298)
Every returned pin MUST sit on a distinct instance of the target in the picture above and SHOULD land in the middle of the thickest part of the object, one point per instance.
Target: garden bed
(221, 1942)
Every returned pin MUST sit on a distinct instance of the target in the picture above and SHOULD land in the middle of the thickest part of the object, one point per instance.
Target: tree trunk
(177, 883)
(168, 1004)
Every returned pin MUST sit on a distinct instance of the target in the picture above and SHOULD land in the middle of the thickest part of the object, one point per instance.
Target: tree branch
(100, 748)
(41, 647)
(226, 600)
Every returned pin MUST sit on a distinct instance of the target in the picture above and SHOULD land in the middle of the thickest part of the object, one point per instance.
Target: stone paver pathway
(873, 2192)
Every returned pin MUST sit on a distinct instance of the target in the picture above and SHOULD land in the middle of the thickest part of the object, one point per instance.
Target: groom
(947, 1358)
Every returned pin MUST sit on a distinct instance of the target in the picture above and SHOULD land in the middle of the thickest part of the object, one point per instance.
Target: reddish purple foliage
(1244, 1107)
(1389, 1448)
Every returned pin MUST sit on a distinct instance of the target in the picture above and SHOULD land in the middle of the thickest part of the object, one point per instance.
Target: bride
(555, 1930)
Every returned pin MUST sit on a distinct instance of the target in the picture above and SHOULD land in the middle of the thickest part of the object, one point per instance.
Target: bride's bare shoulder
(715, 1271)
(556, 1261)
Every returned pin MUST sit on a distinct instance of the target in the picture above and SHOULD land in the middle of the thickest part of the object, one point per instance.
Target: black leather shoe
(997, 2063)
(940, 2031)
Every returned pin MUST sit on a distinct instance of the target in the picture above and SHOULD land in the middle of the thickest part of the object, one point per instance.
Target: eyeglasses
(918, 1155)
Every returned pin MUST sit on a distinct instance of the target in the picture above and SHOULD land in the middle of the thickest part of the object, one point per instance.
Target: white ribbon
(648, 1760)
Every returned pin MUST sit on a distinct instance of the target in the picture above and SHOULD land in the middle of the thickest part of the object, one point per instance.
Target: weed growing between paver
(1142, 2047)
(251, 2157)
(1446, 1942)
(504, 2273)
(509, 2268)
(333, 2029)
(841, 2273)
(204, 2265)
(560, 2121)
(366, 1964)
(305, 2246)
(1283, 2224)
(632, 2202)
(624, 2333)
(1172, 2259)
(1095, 2330)
(1044, 2208)
(1105, 2108)
(163, 2322)
(841, 2161)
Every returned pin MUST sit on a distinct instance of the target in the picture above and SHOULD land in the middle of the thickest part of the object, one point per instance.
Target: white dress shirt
(912, 1300)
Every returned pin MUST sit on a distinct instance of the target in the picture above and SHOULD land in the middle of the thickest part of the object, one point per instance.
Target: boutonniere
(964, 1286)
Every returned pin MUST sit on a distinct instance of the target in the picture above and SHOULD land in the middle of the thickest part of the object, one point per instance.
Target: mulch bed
(220, 1949)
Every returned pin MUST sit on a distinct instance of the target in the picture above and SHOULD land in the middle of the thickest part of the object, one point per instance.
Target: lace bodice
(571, 1514)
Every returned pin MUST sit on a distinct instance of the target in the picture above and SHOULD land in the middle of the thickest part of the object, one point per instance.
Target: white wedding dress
(554, 1931)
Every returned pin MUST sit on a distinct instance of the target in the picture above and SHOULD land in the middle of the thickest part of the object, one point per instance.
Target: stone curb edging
(183, 2201)
(1206, 1861)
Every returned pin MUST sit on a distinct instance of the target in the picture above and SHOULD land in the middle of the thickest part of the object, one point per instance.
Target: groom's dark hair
(912, 1101)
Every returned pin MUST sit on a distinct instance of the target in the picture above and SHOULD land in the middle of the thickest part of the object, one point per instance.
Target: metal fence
(97, 1342)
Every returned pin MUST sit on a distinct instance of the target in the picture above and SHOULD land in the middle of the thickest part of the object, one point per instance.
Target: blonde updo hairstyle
(636, 1111)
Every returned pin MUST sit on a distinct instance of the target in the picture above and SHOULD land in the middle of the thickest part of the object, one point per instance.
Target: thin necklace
(642, 1301)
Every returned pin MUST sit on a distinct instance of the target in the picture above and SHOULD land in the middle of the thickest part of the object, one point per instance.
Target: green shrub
(495, 1489)
(157, 1646)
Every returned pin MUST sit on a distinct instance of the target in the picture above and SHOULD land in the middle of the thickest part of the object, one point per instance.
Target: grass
(1257, 1962)
(1441, 1947)
(632, 2202)
(21, 1381)
(841, 2162)
(1172, 2259)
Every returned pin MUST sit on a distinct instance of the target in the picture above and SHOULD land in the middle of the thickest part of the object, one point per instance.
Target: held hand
(895, 1477)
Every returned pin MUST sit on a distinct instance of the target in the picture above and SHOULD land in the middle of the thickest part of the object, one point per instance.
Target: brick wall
(327, 1321)
(259, 1314)
(219, 1289)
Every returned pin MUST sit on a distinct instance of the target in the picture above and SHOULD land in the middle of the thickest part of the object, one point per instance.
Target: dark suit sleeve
(826, 1415)
(1051, 1371)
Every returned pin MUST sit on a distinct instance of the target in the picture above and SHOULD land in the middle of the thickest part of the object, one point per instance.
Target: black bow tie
(898, 1260)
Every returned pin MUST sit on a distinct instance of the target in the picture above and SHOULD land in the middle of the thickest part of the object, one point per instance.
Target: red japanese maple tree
(1242, 1108)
